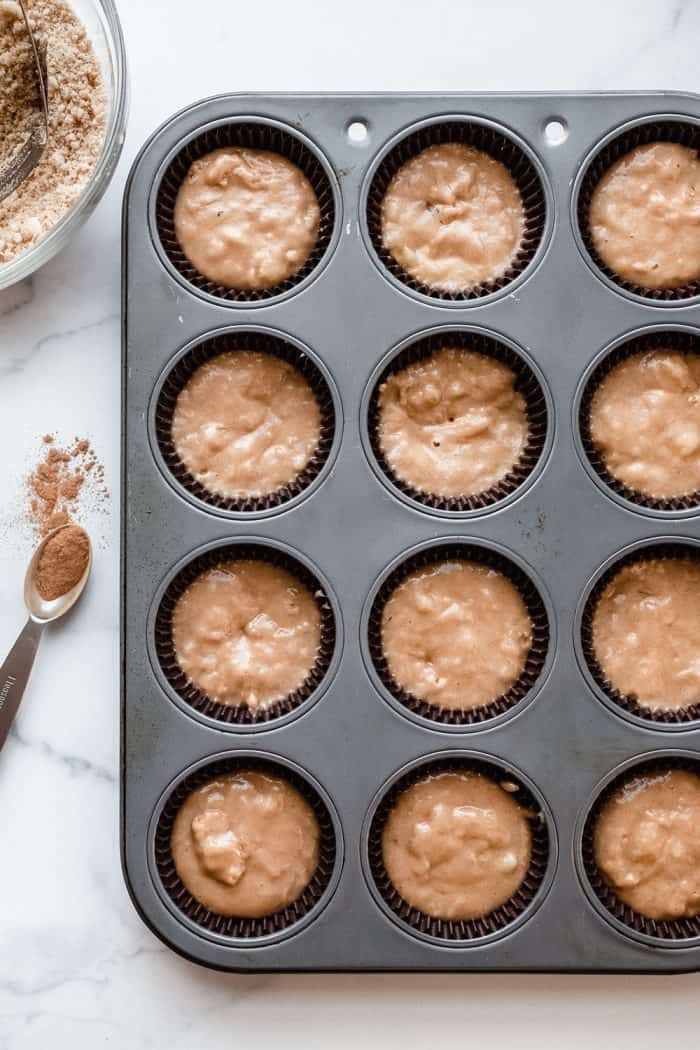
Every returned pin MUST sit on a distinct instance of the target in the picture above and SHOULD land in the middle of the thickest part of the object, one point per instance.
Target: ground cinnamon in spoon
(63, 562)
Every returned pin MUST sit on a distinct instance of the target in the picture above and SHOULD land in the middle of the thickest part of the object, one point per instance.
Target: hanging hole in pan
(556, 131)
(357, 132)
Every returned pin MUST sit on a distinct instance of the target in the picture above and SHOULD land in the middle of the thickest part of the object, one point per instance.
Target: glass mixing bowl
(101, 22)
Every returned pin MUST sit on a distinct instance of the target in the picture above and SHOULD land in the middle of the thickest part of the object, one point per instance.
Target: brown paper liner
(183, 371)
(666, 929)
(464, 929)
(630, 703)
(535, 658)
(685, 134)
(252, 136)
(241, 714)
(526, 384)
(685, 343)
(498, 146)
(232, 926)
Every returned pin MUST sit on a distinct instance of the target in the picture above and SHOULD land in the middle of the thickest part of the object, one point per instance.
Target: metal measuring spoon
(15, 672)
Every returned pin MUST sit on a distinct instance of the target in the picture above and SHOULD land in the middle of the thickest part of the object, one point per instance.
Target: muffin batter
(246, 633)
(452, 424)
(646, 633)
(644, 216)
(245, 844)
(246, 218)
(456, 634)
(647, 844)
(645, 421)
(453, 217)
(456, 845)
(246, 424)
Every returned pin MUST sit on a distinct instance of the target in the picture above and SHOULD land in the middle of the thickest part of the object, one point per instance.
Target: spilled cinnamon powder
(62, 562)
(55, 484)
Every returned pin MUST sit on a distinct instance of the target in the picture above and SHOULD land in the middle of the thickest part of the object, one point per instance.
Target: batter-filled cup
(244, 635)
(634, 237)
(307, 810)
(519, 403)
(303, 382)
(484, 590)
(488, 159)
(657, 418)
(299, 171)
(477, 894)
(640, 846)
(639, 633)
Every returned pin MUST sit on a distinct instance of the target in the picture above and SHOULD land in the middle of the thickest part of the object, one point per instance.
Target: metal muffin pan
(350, 740)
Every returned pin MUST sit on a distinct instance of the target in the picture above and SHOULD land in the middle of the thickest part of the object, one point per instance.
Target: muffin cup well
(685, 133)
(496, 922)
(534, 663)
(628, 704)
(251, 134)
(526, 383)
(181, 373)
(241, 715)
(683, 342)
(489, 139)
(669, 930)
(233, 927)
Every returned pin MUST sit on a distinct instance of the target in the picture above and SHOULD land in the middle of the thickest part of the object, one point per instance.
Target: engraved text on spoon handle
(14, 674)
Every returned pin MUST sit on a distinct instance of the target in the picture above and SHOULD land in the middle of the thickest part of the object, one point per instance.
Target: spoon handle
(14, 674)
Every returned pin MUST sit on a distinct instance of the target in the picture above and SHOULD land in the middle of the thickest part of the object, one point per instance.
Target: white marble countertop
(78, 968)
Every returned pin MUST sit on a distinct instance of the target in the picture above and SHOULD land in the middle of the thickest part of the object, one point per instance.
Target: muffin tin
(349, 740)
